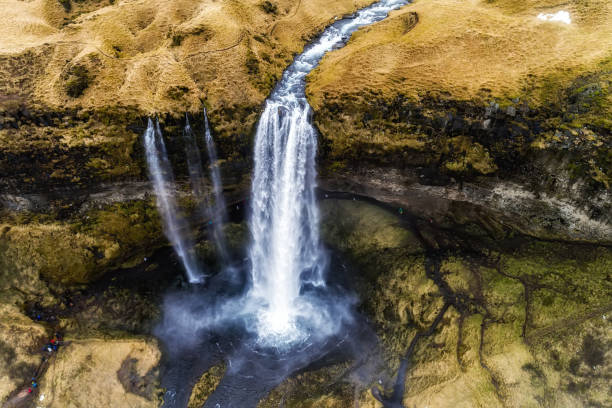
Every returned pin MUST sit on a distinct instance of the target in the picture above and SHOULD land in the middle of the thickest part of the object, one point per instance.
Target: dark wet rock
(494, 205)
(136, 383)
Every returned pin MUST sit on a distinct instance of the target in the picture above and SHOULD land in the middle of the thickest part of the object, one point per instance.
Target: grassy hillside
(157, 55)
(466, 49)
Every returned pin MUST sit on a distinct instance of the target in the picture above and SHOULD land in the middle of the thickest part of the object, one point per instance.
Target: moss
(470, 157)
(52, 251)
(269, 7)
(578, 104)
(80, 250)
(78, 80)
(78, 148)
(362, 227)
(134, 227)
(528, 322)
(206, 385)
(391, 268)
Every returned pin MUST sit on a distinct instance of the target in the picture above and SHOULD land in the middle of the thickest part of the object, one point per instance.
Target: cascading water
(160, 174)
(285, 253)
(214, 209)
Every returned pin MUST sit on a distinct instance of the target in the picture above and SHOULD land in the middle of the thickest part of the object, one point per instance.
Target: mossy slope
(528, 325)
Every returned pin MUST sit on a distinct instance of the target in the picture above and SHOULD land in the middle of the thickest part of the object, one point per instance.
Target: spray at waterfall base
(282, 309)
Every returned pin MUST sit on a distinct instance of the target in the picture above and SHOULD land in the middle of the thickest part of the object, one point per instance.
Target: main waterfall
(285, 252)
(279, 311)
(285, 255)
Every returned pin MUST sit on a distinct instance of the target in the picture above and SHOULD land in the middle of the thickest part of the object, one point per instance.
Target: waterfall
(219, 209)
(285, 218)
(288, 300)
(160, 174)
(291, 314)
(286, 257)
(214, 210)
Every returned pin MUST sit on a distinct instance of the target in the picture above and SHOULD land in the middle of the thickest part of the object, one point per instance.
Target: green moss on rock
(531, 323)
(206, 385)
(82, 250)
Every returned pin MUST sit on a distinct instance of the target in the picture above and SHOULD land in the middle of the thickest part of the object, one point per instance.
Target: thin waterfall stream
(162, 178)
(285, 311)
(219, 209)
(210, 208)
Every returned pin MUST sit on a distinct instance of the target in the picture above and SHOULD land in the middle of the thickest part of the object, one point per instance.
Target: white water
(285, 253)
(212, 209)
(160, 174)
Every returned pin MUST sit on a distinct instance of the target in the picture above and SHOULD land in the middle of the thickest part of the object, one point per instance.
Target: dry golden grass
(463, 48)
(19, 336)
(158, 55)
(85, 373)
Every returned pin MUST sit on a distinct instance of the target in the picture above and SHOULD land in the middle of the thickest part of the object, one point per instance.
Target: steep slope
(77, 79)
(481, 94)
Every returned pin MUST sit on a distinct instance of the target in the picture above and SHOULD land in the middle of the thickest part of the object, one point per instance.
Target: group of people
(33, 385)
(53, 345)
